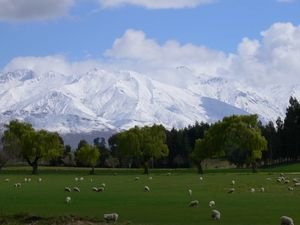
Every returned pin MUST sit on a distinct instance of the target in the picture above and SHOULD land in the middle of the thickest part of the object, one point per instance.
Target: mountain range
(104, 100)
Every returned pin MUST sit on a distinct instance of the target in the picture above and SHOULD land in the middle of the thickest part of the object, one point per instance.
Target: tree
(88, 155)
(236, 137)
(145, 144)
(33, 146)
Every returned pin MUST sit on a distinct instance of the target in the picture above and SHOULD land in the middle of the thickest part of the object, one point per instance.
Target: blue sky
(87, 30)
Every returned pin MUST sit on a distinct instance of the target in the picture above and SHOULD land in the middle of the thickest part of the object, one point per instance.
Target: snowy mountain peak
(102, 100)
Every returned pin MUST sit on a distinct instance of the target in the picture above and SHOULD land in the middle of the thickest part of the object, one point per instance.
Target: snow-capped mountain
(104, 100)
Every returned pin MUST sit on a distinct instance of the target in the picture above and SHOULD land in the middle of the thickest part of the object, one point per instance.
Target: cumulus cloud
(56, 63)
(274, 59)
(271, 59)
(134, 46)
(155, 4)
(20, 10)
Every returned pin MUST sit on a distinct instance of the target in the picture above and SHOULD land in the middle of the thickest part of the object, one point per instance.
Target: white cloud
(134, 46)
(155, 4)
(274, 58)
(20, 10)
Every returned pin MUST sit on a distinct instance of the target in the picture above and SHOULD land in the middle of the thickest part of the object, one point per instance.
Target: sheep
(290, 188)
(215, 214)
(100, 189)
(111, 217)
(6, 180)
(200, 178)
(190, 192)
(233, 182)
(29, 179)
(211, 204)
(81, 178)
(25, 180)
(262, 189)
(103, 185)
(17, 185)
(40, 179)
(252, 190)
(194, 203)
(68, 199)
(297, 184)
(150, 178)
(231, 190)
(146, 188)
(286, 181)
(295, 180)
(76, 189)
(136, 178)
(76, 179)
(268, 178)
(67, 189)
(285, 220)
(95, 189)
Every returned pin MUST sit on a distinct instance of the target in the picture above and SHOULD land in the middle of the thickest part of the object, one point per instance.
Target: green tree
(236, 137)
(88, 155)
(33, 146)
(146, 144)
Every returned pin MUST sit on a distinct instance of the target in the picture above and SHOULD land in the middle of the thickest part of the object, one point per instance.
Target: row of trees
(242, 140)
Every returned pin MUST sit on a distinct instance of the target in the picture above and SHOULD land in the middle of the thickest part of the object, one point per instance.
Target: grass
(166, 203)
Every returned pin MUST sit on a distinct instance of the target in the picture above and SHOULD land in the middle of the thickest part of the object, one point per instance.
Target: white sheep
(81, 178)
(29, 179)
(286, 181)
(100, 189)
(6, 180)
(297, 184)
(194, 203)
(233, 182)
(262, 189)
(215, 214)
(285, 220)
(95, 189)
(200, 178)
(40, 179)
(103, 185)
(252, 190)
(150, 178)
(146, 188)
(68, 199)
(136, 178)
(190, 192)
(231, 190)
(290, 188)
(25, 179)
(76, 189)
(211, 204)
(17, 185)
(111, 217)
(76, 179)
(295, 180)
(67, 189)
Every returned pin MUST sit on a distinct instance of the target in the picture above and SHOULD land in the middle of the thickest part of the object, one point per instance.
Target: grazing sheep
(252, 190)
(76, 189)
(295, 180)
(40, 179)
(111, 217)
(81, 178)
(100, 189)
(103, 184)
(215, 214)
(6, 180)
(29, 179)
(233, 182)
(286, 181)
(211, 204)
(25, 180)
(150, 178)
(262, 189)
(297, 184)
(282, 174)
(136, 178)
(194, 203)
(76, 179)
(268, 178)
(200, 178)
(190, 192)
(290, 188)
(68, 199)
(285, 220)
(95, 189)
(231, 190)
(146, 188)
(67, 189)
(17, 185)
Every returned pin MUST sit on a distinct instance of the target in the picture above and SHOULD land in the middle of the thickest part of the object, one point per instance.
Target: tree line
(242, 140)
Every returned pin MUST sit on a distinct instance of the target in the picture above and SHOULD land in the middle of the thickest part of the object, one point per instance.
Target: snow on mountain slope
(103, 100)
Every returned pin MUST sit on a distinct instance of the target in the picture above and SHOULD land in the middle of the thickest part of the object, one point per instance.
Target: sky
(257, 41)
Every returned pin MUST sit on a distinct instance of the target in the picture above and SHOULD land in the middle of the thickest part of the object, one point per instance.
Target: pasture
(167, 203)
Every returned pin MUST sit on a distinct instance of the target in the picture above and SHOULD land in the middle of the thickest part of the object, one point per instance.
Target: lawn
(166, 203)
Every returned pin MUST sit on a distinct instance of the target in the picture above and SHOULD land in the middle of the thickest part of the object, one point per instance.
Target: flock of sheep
(215, 214)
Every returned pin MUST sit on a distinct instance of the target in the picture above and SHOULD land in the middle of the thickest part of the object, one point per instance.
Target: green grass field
(166, 203)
